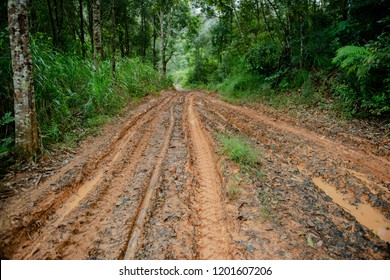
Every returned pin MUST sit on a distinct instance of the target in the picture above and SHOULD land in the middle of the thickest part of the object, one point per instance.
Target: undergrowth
(73, 95)
(293, 92)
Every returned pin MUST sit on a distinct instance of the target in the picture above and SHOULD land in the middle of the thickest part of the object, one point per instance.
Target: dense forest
(90, 57)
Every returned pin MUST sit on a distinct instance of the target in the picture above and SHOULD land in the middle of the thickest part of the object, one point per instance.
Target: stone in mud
(310, 223)
(357, 199)
(280, 253)
(119, 202)
(338, 233)
(347, 255)
(250, 248)
(269, 228)
(319, 243)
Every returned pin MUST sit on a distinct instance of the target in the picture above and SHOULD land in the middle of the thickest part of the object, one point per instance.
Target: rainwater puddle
(364, 213)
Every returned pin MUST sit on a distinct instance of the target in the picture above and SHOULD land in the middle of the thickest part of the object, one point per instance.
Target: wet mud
(154, 186)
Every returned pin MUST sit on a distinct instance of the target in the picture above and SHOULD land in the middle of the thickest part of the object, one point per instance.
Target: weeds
(241, 151)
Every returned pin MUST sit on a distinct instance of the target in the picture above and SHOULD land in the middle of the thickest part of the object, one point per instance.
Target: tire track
(377, 165)
(380, 226)
(137, 227)
(168, 232)
(114, 165)
(214, 240)
(107, 182)
(153, 190)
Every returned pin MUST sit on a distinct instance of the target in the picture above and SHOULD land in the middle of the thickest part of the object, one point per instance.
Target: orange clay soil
(153, 186)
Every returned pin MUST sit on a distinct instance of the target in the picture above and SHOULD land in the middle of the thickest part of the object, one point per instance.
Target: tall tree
(173, 15)
(113, 38)
(26, 134)
(97, 32)
(82, 38)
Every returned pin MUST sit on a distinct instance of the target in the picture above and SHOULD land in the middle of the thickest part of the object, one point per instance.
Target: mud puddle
(364, 213)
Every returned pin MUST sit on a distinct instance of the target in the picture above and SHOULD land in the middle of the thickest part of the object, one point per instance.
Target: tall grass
(73, 94)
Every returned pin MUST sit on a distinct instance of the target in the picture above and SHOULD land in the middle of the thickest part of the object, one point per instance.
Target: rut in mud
(154, 186)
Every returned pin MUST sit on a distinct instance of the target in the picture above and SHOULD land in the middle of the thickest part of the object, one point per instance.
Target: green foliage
(201, 72)
(72, 92)
(367, 73)
(135, 78)
(6, 119)
(7, 141)
(240, 150)
(241, 87)
(354, 60)
(263, 56)
(281, 52)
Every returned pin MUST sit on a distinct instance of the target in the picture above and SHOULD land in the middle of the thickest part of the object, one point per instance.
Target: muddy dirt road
(154, 186)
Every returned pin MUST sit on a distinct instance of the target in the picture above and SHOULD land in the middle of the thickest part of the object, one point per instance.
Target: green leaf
(6, 119)
(310, 241)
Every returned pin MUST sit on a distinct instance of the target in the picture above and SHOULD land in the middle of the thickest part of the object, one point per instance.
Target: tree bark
(97, 33)
(82, 38)
(53, 26)
(113, 39)
(143, 30)
(154, 42)
(26, 132)
(127, 38)
(90, 25)
(121, 43)
(163, 45)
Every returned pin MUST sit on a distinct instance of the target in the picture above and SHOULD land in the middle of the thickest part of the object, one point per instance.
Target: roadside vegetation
(329, 55)
(73, 94)
(74, 97)
(87, 65)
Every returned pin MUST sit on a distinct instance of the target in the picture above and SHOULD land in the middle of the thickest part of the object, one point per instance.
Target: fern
(366, 71)
(356, 60)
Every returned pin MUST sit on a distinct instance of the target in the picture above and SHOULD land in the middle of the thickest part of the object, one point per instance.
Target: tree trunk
(127, 38)
(143, 30)
(90, 24)
(113, 38)
(26, 132)
(257, 5)
(121, 43)
(154, 42)
(82, 38)
(163, 46)
(233, 7)
(53, 26)
(97, 35)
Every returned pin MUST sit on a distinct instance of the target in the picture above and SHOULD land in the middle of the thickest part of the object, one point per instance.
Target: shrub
(367, 73)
